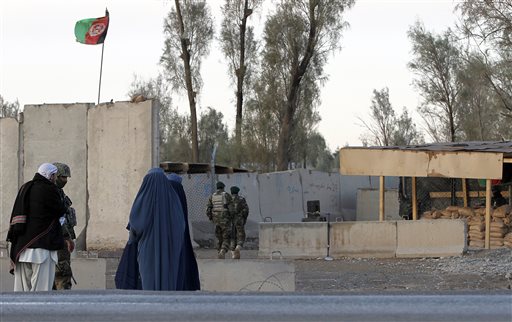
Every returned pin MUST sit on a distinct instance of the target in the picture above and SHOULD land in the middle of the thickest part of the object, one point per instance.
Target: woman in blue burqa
(188, 263)
(157, 227)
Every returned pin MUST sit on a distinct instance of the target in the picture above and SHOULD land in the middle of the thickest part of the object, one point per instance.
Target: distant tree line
(276, 80)
(464, 79)
(9, 109)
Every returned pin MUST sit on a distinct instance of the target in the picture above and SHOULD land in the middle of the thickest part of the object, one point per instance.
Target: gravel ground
(476, 270)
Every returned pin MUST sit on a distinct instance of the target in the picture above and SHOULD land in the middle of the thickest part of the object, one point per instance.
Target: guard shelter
(462, 160)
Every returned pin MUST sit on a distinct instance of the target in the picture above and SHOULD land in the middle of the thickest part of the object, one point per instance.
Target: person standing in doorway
(219, 211)
(240, 214)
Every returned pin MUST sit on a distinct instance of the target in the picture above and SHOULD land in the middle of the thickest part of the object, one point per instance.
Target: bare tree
(8, 109)
(382, 120)
(188, 30)
(436, 63)
(384, 128)
(213, 130)
(489, 25)
(156, 89)
(240, 47)
(309, 30)
(405, 132)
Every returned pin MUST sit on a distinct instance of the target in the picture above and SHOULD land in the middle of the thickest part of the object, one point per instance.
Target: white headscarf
(46, 170)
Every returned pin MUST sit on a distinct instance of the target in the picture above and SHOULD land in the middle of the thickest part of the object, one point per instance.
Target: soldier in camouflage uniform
(240, 214)
(219, 211)
(63, 273)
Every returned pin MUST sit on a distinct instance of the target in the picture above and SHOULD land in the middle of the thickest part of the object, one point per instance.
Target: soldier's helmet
(62, 169)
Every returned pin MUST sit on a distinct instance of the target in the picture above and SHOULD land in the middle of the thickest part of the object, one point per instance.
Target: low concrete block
(6, 279)
(363, 239)
(89, 273)
(293, 240)
(246, 275)
(431, 238)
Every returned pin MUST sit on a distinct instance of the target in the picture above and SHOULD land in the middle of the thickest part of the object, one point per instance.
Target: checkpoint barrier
(419, 238)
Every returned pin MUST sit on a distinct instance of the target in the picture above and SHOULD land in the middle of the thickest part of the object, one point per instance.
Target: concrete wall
(418, 238)
(282, 196)
(110, 147)
(246, 275)
(121, 151)
(58, 133)
(293, 240)
(368, 204)
(9, 166)
(363, 239)
(349, 185)
(433, 237)
(324, 187)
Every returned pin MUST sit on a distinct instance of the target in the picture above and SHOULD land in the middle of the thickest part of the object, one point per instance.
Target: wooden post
(488, 214)
(464, 192)
(414, 200)
(381, 198)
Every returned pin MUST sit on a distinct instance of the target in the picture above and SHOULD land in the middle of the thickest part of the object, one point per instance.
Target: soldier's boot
(222, 254)
(236, 252)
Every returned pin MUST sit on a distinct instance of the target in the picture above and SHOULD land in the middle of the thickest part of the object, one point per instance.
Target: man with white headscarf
(35, 233)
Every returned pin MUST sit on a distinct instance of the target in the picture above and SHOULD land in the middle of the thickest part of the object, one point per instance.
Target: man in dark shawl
(157, 225)
(188, 275)
(35, 233)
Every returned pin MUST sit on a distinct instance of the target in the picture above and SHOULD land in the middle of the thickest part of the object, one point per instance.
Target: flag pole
(101, 69)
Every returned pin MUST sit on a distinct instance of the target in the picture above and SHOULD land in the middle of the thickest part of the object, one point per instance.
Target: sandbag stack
(507, 240)
(500, 228)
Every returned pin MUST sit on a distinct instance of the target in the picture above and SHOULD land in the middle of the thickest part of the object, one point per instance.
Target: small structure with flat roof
(475, 160)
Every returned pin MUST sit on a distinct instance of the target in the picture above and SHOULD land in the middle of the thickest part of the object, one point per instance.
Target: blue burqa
(188, 271)
(157, 225)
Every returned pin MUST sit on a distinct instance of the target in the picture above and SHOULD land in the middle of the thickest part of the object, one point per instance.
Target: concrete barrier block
(431, 238)
(363, 239)
(9, 169)
(63, 138)
(246, 275)
(89, 273)
(293, 240)
(120, 152)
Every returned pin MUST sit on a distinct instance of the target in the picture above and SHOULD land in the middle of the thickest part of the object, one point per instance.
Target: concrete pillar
(120, 152)
(9, 169)
(58, 133)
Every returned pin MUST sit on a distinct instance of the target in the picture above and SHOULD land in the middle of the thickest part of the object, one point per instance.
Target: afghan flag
(92, 31)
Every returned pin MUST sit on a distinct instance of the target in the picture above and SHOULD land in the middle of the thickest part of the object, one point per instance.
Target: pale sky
(40, 61)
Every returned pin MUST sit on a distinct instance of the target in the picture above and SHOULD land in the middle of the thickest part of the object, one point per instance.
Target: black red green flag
(92, 31)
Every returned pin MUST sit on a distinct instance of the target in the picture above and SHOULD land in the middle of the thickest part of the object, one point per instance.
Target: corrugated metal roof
(504, 147)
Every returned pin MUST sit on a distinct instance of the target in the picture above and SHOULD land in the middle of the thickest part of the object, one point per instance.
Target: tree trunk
(240, 74)
(185, 55)
(283, 145)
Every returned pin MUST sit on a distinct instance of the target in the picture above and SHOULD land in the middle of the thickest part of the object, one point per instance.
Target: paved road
(201, 306)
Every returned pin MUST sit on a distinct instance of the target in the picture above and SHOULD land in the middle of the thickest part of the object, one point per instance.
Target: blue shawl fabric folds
(188, 270)
(157, 225)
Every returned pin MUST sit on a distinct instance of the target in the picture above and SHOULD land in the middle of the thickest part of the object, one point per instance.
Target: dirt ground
(478, 269)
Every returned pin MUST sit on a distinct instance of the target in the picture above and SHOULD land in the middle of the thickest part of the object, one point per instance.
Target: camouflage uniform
(241, 212)
(63, 272)
(219, 210)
